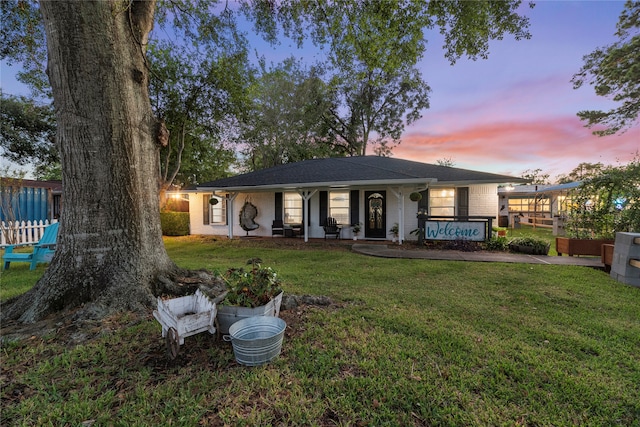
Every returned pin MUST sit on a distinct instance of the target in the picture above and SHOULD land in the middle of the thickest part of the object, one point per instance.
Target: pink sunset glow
(555, 145)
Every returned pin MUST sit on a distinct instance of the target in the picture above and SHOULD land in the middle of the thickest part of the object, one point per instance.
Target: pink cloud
(530, 124)
(555, 145)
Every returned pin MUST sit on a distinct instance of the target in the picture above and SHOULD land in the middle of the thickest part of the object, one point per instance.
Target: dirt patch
(66, 328)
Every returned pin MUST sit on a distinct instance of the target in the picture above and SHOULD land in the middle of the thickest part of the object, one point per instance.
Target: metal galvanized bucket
(256, 340)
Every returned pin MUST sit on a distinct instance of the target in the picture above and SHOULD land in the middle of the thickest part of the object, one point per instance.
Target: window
(292, 208)
(339, 206)
(529, 205)
(215, 214)
(565, 202)
(442, 202)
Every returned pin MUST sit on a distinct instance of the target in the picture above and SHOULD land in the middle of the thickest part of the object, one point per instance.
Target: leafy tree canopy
(446, 161)
(22, 40)
(581, 172)
(614, 73)
(198, 64)
(536, 176)
(286, 122)
(27, 132)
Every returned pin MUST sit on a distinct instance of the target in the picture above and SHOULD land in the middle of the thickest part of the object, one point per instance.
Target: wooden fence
(21, 232)
(537, 221)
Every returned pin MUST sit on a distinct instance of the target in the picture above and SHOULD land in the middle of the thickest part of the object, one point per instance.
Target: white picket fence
(22, 232)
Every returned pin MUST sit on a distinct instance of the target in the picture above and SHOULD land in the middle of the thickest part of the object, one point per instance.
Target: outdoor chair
(331, 228)
(42, 251)
(248, 214)
(277, 228)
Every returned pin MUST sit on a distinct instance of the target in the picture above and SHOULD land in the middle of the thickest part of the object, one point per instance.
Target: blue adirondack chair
(42, 251)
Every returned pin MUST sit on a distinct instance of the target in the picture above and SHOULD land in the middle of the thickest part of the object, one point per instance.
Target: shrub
(530, 245)
(497, 244)
(454, 245)
(174, 223)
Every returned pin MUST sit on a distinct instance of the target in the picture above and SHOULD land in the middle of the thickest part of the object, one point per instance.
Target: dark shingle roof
(354, 171)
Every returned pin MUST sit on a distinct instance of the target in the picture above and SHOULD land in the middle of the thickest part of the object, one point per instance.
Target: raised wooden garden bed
(571, 247)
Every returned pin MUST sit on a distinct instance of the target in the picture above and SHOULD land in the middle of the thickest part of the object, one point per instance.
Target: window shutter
(323, 212)
(354, 206)
(463, 201)
(205, 208)
(423, 204)
(278, 206)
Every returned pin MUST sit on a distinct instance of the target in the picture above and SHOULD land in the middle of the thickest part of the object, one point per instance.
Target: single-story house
(296, 199)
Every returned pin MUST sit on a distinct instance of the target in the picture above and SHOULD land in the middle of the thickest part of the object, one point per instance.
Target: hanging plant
(415, 196)
(213, 201)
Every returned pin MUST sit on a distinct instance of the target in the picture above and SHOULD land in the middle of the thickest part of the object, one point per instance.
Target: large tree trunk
(110, 251)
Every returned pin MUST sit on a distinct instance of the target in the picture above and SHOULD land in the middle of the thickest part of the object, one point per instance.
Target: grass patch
(18, 279)
(412, 342)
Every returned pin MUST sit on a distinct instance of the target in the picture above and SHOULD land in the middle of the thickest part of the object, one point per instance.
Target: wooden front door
(375, 223)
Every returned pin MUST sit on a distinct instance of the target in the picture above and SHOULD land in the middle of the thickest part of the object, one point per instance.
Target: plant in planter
(395, 231)
(415, 196)
(356, 229)
(529, 245)
(499, 231)
(251, 292)
(213, 201)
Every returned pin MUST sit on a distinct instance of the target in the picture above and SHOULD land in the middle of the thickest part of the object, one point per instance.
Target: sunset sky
(515, 111)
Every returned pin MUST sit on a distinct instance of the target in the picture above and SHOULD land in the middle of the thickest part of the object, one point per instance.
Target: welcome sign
(455, 230)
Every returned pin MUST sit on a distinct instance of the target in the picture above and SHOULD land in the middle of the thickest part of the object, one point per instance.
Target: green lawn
(409, 342)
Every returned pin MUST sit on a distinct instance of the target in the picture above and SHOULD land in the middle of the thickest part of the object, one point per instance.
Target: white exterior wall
(483, 201)
(263, 201)
(195, 215)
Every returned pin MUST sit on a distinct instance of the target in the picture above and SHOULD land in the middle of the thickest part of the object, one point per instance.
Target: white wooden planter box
(188, 315)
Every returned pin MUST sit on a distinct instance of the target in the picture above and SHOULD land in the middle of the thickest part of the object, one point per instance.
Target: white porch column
(400, 196)
(230, 197)
(306, 195)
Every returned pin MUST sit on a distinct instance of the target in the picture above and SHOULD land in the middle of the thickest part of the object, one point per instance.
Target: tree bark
(110, 252)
